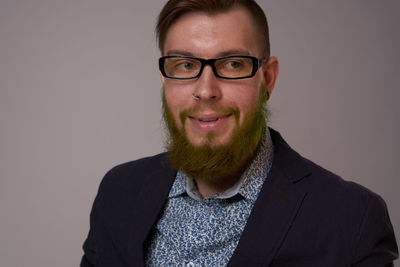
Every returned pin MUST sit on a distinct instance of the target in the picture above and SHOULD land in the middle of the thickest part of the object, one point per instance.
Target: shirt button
(190, 264)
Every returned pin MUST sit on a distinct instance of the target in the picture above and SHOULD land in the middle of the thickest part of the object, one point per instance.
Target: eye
(186, 65)
(233, 64)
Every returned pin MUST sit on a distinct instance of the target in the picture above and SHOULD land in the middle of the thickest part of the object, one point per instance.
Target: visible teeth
(208, 120)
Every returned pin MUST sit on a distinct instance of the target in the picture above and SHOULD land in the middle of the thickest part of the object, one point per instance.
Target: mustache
(184, 114)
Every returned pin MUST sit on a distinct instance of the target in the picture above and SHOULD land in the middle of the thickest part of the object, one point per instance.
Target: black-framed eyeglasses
(230, 67)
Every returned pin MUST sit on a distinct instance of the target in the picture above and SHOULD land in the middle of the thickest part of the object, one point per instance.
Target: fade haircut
(174, 9)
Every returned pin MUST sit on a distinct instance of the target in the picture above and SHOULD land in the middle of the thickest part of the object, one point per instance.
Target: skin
(209, 36)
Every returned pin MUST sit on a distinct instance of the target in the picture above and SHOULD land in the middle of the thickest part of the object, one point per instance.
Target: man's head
(210, 111)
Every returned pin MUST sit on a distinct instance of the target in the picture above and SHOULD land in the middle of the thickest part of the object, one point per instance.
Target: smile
(209, 122)
(210, 117)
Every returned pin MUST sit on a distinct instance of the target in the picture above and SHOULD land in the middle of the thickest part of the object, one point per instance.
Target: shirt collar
(249, 184)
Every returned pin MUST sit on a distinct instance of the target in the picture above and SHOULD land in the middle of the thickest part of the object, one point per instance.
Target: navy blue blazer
(304, 216)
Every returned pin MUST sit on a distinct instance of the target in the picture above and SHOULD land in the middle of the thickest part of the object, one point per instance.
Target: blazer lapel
(275, 209)
(152, 199)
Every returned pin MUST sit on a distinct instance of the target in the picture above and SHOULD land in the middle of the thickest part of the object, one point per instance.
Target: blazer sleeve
(376, 241)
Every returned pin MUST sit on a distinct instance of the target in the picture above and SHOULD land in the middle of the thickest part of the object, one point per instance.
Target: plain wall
(80, 93)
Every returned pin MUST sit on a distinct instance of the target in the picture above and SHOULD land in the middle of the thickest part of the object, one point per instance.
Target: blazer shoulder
(331, 183)
(134, 173)
(322, 184)
(142, 164)
(310, 176)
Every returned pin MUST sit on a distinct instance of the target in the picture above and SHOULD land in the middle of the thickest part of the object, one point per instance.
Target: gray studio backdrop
(80, 93)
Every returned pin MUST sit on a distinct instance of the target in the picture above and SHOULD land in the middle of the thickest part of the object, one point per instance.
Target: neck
(207, 188)
(210, 187)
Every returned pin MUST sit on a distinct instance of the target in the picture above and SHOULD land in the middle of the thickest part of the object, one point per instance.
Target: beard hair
(213, 162)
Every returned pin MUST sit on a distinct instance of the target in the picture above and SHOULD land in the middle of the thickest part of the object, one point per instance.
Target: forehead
(210, 35)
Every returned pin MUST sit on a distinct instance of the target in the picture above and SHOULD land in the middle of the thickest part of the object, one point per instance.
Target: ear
(162, 77)
(270, 72)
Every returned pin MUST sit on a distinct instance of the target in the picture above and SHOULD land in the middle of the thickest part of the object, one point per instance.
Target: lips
(209, 122)
(209, 117)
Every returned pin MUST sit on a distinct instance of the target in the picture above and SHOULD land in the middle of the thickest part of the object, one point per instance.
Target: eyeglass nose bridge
(205, 62)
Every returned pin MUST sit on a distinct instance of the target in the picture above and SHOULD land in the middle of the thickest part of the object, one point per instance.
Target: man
(229, 191)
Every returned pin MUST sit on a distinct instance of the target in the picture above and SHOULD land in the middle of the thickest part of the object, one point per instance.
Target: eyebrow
(233, 52)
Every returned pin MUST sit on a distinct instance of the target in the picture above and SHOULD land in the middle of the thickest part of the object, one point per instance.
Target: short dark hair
(174, 9)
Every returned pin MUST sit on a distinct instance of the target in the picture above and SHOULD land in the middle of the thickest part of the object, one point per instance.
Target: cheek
(245, 99)
(176, 103)
(247, 107)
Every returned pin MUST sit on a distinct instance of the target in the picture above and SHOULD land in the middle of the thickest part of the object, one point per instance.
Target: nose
(207, 86)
